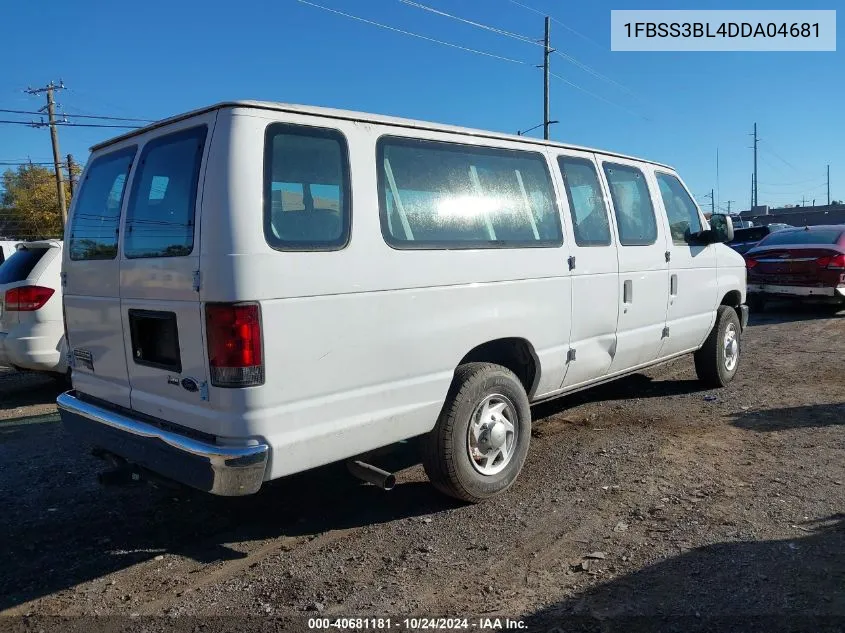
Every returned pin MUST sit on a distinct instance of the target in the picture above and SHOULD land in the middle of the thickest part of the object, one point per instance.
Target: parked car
(230, 323)
(798, 263)
(7, 249)
(747, 238)
(31, 325)
(779, 226)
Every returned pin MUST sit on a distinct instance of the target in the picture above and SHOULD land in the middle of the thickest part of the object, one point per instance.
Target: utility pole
(729, 206)
(54, 137)
(828, 185)
(751, 207)
(712, 203)
(755, 167)
(70, 165)
(546, 53)
(717, 173)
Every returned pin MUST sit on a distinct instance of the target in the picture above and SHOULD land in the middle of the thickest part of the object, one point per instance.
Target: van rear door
(159, 274)
(91, 277)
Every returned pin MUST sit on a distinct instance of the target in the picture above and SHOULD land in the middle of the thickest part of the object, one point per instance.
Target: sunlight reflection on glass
(468, 206)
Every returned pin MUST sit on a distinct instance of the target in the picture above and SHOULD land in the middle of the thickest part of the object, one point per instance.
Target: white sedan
(31, 323)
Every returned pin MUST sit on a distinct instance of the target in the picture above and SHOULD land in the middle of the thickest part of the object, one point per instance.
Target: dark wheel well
(733, 299)
(516, 354)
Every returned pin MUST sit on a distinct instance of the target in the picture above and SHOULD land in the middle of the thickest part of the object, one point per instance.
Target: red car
(799, 263)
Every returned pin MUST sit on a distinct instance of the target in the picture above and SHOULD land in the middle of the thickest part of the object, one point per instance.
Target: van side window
(586, 201)
(680, 209)
(160, 216)
(306, 188)
(94, 225)
(444, 195)
(632, 205)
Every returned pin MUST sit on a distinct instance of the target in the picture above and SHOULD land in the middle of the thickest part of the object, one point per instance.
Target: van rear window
(160, 216)
(94, 225)
(20, 264)
(306, 188)
(445, 195)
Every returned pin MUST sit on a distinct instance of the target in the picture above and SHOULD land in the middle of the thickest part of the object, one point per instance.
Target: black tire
(756, 303)
(445, 450)
(710, 363)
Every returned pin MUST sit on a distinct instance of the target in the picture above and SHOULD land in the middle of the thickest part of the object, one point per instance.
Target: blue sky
(157, 58)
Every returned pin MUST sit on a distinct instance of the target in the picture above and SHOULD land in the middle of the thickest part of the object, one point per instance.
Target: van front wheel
(481, 439)
(717, 361)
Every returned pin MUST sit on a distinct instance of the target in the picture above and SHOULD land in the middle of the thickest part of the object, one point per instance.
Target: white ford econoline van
(256, 289)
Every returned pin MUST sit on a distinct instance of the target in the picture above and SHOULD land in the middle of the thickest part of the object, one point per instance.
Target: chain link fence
(16, 226)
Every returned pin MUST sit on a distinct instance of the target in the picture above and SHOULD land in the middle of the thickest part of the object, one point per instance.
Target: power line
(417, 35)
(471, 50)
(595, 73)
(779, 157)
(80, 116)
(563, 24)
(600, 98)
(62, 124)
(522, 38)
(516, 36)
(6, 163)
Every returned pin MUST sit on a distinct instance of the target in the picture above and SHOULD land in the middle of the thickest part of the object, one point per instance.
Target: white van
(256, 289)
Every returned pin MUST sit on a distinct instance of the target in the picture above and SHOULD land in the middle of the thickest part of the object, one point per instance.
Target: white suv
(31, 324)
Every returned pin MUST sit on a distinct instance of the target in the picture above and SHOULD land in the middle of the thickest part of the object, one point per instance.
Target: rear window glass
(444, 195)
(20, 264)
(96, 216)
(160, 217)
(820, 236)
(306, 188)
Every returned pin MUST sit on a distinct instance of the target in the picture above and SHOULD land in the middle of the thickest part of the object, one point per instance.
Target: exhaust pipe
(120, 476)
(372, 474)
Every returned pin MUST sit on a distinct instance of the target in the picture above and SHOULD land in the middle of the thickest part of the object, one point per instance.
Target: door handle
(628, 291)
(673, 285)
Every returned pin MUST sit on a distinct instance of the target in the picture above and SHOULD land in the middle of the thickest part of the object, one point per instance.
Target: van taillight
(27, 298)
(234, 344)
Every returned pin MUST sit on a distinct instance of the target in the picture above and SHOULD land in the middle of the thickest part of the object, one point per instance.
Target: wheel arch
(514, 353)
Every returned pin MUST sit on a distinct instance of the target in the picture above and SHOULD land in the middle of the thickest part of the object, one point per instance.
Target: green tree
(29, 206)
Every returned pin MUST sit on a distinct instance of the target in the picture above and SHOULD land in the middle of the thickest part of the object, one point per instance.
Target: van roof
(351, 115)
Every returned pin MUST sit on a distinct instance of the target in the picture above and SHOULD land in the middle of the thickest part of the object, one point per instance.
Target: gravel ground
(646, 504)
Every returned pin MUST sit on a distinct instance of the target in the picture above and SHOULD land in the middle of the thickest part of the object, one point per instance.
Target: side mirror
(722, 228)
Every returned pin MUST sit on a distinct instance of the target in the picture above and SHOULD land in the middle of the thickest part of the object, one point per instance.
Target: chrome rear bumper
(220, 470)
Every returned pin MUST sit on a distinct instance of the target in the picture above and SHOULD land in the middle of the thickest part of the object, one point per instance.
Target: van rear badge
(83, 358)
(189, 384)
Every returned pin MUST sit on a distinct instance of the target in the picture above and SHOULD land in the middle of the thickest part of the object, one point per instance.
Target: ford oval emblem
(189, 384)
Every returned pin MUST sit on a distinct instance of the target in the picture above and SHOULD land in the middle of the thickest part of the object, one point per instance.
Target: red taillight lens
(836, 262)
(750, 263)
(28, 298)
(234, 344)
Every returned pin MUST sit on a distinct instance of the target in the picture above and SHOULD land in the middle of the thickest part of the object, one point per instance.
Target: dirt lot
(648, 504)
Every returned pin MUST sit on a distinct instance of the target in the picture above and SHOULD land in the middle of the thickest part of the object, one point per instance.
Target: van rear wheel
(481, 439)
(717, 361)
